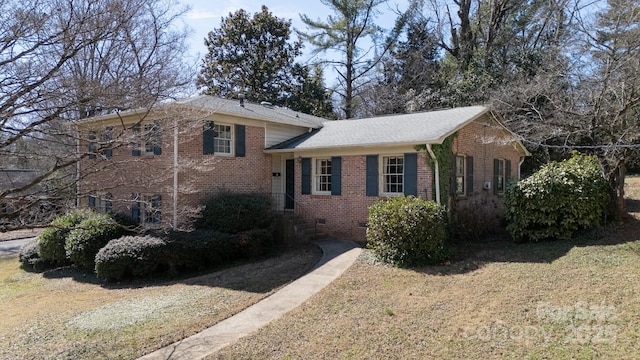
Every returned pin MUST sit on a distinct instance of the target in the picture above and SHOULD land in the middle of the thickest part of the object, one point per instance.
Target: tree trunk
(615, 180)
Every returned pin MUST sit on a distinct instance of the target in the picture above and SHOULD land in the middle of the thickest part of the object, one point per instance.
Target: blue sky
(205, 15)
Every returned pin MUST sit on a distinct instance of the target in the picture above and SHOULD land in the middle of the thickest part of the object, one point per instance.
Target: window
(392, 175)
(101, 203)
(107, 138)
(460, 175)
(146, 209)
(91, 148)
(222, 139)
(152, 213)
(322, 176)
(150, 141)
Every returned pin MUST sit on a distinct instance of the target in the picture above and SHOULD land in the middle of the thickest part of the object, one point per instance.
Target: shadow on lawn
(473, 254)
(257, 276)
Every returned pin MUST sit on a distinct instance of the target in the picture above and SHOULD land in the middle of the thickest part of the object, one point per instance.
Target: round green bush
(558, 200)
(89, 236)
(52, 239)
(30, 258)
(130, 257)
(407, 231)
(234, 213)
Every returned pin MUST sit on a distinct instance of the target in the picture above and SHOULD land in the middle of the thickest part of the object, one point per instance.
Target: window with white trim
(392, 175)
(150, 139)
(322, 176)
(460, 175)
(222, 138)
(100, 203)
(146, 209)
(151, 211)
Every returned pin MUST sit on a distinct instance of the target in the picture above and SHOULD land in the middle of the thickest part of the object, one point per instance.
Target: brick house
(158, 165)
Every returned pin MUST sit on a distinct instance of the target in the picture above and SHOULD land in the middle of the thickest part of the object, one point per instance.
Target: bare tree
(65, 60)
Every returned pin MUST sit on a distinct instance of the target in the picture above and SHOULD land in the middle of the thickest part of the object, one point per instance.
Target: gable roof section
(417, 128)
(215, 105)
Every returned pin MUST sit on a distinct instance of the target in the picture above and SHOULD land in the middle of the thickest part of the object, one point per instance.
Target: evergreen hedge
(558, 200)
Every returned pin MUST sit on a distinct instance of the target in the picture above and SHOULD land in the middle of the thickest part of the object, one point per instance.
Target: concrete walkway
(338, 255)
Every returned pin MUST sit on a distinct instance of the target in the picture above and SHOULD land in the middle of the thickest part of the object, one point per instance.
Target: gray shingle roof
(417, 128)
(274, 114)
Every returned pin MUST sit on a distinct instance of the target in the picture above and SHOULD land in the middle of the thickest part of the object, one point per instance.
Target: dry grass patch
(549, 300)
(64, 314)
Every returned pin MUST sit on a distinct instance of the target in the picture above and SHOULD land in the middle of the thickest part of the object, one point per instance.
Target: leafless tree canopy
(65, 60)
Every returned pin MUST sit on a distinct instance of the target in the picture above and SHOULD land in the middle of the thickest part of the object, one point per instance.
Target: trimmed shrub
(89, 236)
(130, 257)
(199, 250)
(30, 258)
(407, 231)
(234, 213)
(558, 200)
(52, 239)
(253, 243)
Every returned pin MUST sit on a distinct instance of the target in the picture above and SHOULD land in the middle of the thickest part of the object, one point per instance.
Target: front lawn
(553, 300)
(66, 314)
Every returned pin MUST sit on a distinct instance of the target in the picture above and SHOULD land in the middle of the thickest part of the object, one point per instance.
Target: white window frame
(321, 177)
(501, 189)
(383, 176)
(149, 216)
(150, 134)
(103, 203)
(461, 174)
(217, 140)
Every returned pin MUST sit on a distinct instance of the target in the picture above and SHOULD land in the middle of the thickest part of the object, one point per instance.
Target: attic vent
(267, 104)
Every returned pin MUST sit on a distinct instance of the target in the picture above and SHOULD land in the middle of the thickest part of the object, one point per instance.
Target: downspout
(437, 174)
(175, 175)
(519, 167)
(78, 167)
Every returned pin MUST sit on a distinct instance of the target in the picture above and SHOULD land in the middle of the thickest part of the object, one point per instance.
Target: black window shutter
(108, 137)
(453, 183)
(496, 174)
(507, 172)
(372, 175)
(336, 175)
(411, 174)
(156, 137)
(240, 141)
(135, 151)
(306, 176)
(135, 208)
(207, 138)
(92, 202)
(469, 175)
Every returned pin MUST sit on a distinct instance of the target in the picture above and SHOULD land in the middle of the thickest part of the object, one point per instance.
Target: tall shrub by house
(558, 200)
(90, 235)
(407, 231)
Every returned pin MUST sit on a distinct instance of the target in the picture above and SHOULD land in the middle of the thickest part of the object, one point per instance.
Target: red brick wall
(485, 141)
(344, 214)
(199, 175)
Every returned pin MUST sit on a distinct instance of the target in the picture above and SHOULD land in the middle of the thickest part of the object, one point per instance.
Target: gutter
(437, 174)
